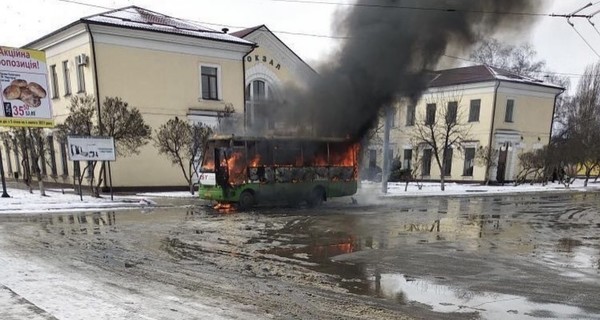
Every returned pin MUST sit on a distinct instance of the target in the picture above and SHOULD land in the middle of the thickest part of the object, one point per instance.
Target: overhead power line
(87, 4)
(588, 17)
(333, 36)
(416, 8)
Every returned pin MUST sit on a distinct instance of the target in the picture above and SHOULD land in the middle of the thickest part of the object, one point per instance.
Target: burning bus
(246, 171)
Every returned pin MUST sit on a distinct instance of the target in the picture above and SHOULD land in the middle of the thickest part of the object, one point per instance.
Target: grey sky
(554, 39)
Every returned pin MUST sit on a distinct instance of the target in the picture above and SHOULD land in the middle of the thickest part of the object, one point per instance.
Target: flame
(255, 162)
(236, 167)
(237, 164)
(342, 247)
(347, 158)
(209, 166)
(224, 207)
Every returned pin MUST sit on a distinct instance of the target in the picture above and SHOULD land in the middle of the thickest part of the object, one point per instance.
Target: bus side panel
(266, 193)
(341, 188)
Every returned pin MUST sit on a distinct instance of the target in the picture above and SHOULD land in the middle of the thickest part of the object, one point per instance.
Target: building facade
(510, 113)
(164, 66)
(269, 69)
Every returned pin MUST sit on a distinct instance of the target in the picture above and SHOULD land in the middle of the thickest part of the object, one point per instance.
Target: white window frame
(471, 111)
(54, 81)
(512, 112)
(219, 81)
(80, 70)
(67, 77)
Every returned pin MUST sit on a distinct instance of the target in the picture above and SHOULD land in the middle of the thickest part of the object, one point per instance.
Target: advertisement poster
(91, 148)
(25, 97)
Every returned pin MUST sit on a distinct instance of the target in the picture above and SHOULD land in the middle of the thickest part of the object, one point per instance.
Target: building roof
(482, 73)
(244, 32)
(134, 17)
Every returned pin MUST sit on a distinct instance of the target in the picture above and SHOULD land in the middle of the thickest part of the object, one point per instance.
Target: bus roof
(277, 138)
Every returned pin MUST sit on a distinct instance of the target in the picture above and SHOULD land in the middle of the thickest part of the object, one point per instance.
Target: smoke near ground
(390, 47)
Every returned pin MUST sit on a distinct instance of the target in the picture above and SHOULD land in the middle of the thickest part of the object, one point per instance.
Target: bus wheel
(316, 197)
(246, 200)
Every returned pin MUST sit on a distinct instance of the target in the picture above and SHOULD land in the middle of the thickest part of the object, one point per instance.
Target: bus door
(221, 155)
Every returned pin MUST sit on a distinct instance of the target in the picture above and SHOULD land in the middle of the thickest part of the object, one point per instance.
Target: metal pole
(4, 193)
(110, 181)
(385, 172)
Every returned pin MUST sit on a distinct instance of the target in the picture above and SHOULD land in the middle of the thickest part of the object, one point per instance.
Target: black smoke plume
(391, 46)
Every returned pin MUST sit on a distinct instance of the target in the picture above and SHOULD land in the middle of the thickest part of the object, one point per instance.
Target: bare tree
(582, 132)
(532, 163)
(124, 123)
(487, 157)
(184, 144)
(126, 126)
(441, 127)
(37, 147)
(8, 146)
(414, 172)
(22, 146)
(79, 122)
(516, 59)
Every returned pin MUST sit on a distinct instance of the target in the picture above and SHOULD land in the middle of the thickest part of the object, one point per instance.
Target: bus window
(235, 158)
(287, 154)
(342, 154)
(315, 154)
(208, 159)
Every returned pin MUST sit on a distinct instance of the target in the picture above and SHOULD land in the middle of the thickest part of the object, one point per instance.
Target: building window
(80, 78)
(17, 157)
(63, 159)
(448, 162)
(469, 162)
(426, 162)
(430, 114)
(452, 112)
(510, 105)
(474, 110)
(65, 67)
(407, 163)
(410, 115)
(50, 143)
(42, 164)
(210, 82)
(257, 93)
(76, 169)
(54, 81)
(8, 158)
(372, 158)
(259, 90)
(90, 169)
(394, 114)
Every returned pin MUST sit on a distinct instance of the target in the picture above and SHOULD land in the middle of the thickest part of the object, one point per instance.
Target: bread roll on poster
(37, 89)
(11, 92)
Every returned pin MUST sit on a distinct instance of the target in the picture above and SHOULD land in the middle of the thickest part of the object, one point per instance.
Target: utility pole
(4, 193)
(385, 172)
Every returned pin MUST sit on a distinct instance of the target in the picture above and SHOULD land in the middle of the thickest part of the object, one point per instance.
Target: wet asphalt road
(519, 257)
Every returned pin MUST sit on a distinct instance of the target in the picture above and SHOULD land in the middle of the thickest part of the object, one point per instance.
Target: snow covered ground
(21, 201)
(396, 189)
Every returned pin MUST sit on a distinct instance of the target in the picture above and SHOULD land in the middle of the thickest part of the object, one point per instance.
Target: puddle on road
(447, 299)
(550, 232)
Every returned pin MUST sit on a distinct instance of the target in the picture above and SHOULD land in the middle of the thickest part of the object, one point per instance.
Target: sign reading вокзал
(24, 88)
(89, 148)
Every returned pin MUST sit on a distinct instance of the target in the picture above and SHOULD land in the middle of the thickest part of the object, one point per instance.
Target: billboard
(24, 89)
(91, 148)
